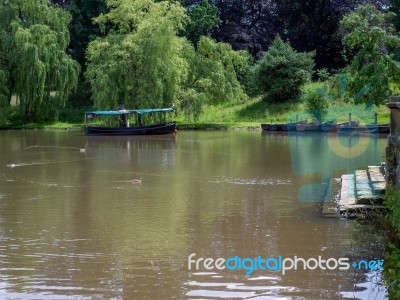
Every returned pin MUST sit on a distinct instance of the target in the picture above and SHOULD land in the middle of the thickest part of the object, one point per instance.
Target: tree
(370, 33)
(33, 62)
(82, 28)
(281, 72)
(395, 8)
(139, 61)
(203, 18)
(316, 104)
(213, 75)
(314, 24)
(246, 24)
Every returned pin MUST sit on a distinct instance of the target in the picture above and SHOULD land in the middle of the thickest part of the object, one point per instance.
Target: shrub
(281, 72)
(316, 104)
(392, 261)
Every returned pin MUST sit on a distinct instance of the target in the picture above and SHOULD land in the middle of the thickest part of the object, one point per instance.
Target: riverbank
(245, 116)
(46, 125)
(181, 126)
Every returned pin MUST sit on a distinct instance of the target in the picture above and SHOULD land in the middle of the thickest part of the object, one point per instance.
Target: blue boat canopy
(128, 111)
(151, 110)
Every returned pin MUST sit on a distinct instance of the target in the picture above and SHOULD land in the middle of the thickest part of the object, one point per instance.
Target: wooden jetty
(361, 192)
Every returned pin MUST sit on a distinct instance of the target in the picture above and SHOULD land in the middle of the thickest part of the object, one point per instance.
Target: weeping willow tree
(139, 61)
(213, 76)
(33, 62)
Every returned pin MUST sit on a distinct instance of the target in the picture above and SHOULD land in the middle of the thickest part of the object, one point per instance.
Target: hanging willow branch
(33, 40)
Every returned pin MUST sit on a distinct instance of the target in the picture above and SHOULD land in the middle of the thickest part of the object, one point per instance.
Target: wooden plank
(343, 208)
(362, 186)
(361, 192)
(347, 191)
(364, 190)
(361, 175)
(375, 174)
(379, 186)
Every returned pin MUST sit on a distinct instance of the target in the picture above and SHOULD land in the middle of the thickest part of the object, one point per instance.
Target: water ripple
(241, 181)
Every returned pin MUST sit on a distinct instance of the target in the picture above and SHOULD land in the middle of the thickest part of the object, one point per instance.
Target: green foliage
(323, 74)
(281, 72)
(337, 91)
(372, 36)
(140, 60)
(213, 75)
(4, 101)
(33, 62)
(395, 8)
(392, 261)
(392, 201)
(82, 28)
(316, 104)
(214, 68)
(143, 62)
(392, 271)
(191, 104)
(203, 18)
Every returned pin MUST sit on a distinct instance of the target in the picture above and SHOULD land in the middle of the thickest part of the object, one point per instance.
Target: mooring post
(376, 118)
(393, 143)
(349, 119)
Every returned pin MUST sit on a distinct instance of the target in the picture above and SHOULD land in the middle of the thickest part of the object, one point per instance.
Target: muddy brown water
(75, 224)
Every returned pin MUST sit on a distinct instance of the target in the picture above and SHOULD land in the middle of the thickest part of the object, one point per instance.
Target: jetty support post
(393, 143)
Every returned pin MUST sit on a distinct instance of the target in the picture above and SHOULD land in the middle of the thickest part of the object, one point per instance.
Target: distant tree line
(84, 53)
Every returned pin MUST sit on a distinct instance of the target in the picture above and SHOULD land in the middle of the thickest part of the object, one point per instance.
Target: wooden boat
(348, 126)
(330, 126)
(312, 126)
(282, 126)
(164, 128)
(274, 127)
(384, 128)
(354, 127)
(125, 117)
(265, 127)
(292, 126)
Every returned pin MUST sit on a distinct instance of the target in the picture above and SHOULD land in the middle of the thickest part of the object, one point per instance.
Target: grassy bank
(43, 125)
(256, 111)
(247, 115)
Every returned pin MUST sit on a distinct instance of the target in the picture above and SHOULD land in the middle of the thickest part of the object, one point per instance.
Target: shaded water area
(73, 224)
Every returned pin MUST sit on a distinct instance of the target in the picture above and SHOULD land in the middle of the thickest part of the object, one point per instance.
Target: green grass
(44, 125)
(256, 111)
(246, 115)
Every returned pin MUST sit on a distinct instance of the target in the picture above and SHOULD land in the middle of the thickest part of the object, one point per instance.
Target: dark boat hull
(329, 126)
(350, 129)
(265, 127)
(274, 127)
(384, 128)
(164, 128)
(308, 127)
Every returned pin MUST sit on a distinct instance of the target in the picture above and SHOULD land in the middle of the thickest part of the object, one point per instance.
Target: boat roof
(128, 111)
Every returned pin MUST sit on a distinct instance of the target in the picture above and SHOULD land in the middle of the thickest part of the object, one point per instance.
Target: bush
(191, 103)
(281, 72)
(316, 104)
(392, 260)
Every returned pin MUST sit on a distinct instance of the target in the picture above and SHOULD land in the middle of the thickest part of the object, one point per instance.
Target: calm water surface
(73, 225)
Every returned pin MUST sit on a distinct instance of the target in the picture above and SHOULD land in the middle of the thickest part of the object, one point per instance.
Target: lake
(79, 224)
